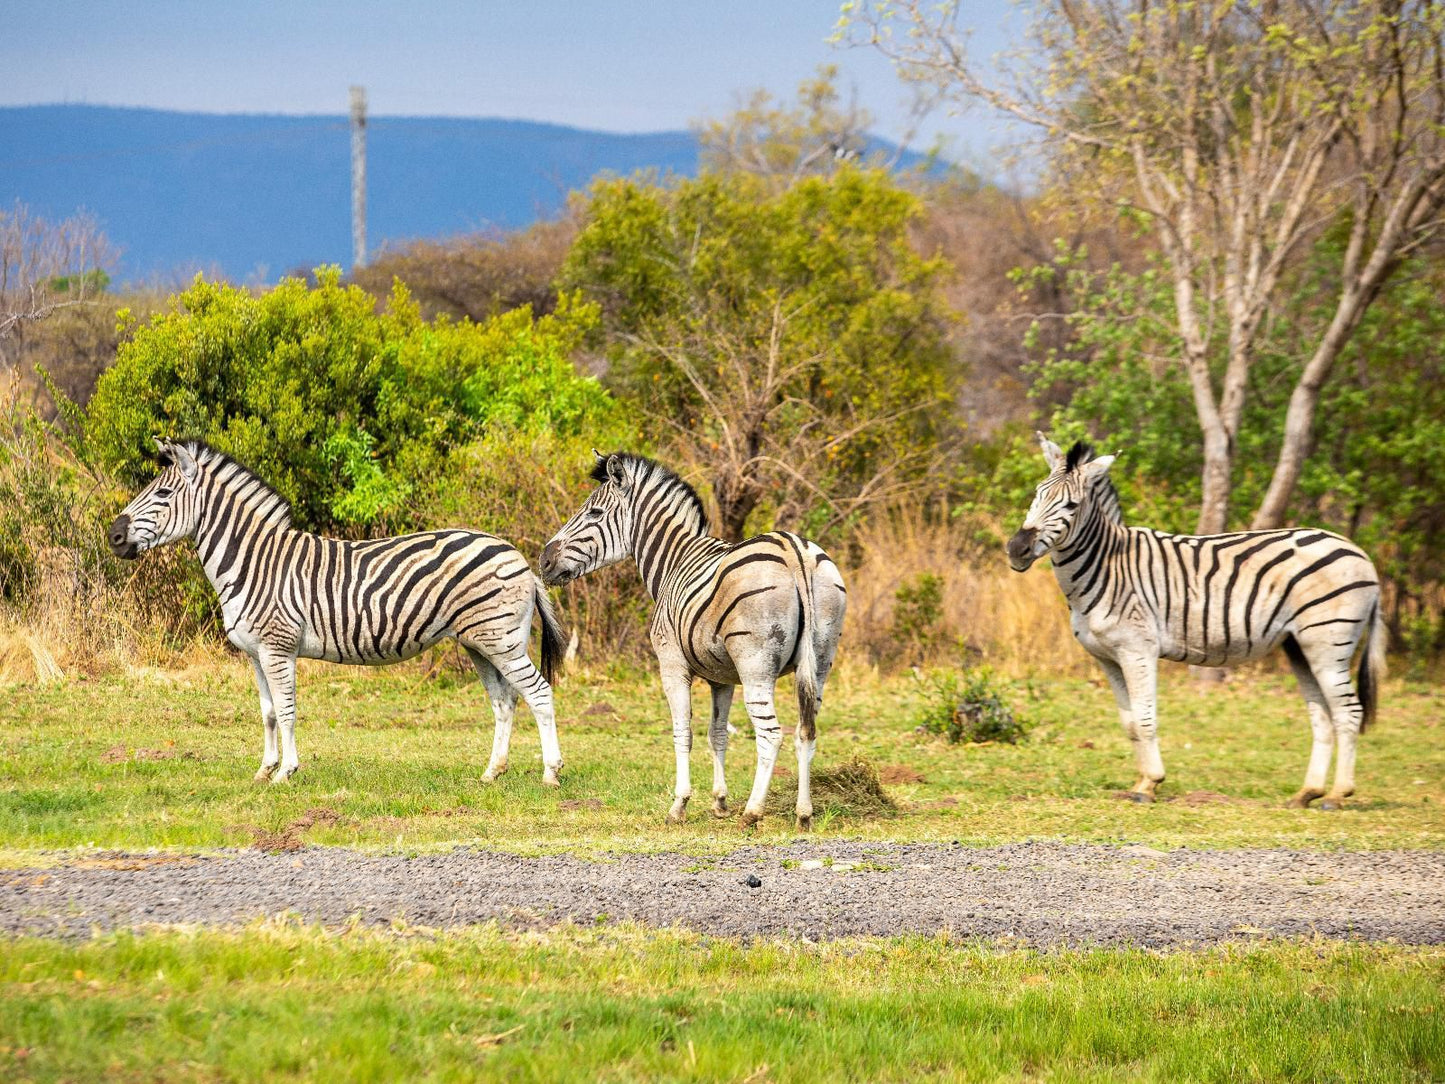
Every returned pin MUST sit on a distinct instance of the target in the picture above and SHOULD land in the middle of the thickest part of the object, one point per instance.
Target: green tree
(348, 412)
(1229, 131)
(1377, 467)
(791, 342)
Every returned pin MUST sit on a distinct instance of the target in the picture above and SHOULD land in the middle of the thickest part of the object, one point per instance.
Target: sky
(621, 67)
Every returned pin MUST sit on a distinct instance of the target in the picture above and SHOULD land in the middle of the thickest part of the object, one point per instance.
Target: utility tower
(358, 177)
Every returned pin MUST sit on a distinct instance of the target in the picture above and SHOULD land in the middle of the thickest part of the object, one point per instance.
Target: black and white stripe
(287, 594)
(1138, 595)
(732, 615)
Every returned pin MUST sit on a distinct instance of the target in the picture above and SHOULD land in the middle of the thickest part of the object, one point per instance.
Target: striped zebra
(732, 615)
(1137, 596)
(286, 594)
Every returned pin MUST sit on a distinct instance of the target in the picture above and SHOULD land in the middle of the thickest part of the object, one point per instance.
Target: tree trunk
(736, 499)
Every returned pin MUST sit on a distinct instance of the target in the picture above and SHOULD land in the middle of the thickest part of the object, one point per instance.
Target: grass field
(393, 759)
(282, 1002)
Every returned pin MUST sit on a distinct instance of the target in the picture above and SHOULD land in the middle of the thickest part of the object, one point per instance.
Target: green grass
(393, 759)
(282, 1002)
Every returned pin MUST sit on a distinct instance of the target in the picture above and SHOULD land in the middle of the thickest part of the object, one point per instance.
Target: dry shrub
(475, 275)
(1018, 624)
(850, 789)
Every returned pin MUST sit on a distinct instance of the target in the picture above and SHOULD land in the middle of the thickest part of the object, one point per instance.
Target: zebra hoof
(1302, 800)
(678, 813)
(750, 819)
(1141, 797)
(263, 774)
(1332, 805)
(720, 807)
(491, 775)
(284, 774)
(805, 822)
(549, 779)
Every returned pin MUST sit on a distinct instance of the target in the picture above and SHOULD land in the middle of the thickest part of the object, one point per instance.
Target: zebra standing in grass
(286, 594)
(730, 614)
(1138, 595)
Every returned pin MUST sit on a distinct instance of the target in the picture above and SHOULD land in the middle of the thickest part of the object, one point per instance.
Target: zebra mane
(654, 470)
(262, 499)
(1102, 490)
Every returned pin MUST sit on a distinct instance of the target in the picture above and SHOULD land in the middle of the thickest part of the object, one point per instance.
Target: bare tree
(1234, 132)
(760, 436)
(45, 267)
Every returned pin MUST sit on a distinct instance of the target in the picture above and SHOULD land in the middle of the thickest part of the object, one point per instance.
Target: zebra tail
(554, 640)
(806, 674)
(1372, 666)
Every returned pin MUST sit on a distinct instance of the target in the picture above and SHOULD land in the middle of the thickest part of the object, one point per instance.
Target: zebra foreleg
(280, 671)
(1141, 675)
(677, 687)
(271, 755)
(717, 736)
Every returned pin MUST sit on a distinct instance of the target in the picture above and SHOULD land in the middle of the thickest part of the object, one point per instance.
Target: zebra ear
(600, 457)
(1052, 453)
(1098, 466)
(183, 458)
(615, 474)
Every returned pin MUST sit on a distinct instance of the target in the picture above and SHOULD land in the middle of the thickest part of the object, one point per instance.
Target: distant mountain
(261, 195)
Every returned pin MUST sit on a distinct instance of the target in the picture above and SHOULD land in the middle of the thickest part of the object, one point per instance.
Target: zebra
(730, 614)
(286, 594)
(1138, 595)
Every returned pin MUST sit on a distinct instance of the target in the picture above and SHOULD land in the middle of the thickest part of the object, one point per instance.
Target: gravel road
(1029, 893)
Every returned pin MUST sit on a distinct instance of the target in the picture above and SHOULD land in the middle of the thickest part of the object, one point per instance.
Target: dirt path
(1041, 894)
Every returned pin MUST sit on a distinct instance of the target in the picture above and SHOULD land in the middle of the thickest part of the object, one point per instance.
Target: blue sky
(623, 67)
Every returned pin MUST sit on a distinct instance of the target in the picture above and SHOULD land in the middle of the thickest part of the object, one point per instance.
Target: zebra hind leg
(504, 707)
(1321, 728)
(1330, 662)
(758, 697)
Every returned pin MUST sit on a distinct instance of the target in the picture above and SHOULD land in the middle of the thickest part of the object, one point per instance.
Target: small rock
(811, 863)
(752, 880)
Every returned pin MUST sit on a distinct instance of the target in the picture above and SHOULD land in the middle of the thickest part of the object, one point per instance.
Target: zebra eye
(163, 493)
(1069, 506)
(594, 513)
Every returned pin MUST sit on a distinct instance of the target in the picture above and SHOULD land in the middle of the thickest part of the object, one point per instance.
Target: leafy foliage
(792, 342)
(347, 411)
(970, 708)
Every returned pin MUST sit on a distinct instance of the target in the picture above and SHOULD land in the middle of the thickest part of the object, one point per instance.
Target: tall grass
(984, 612)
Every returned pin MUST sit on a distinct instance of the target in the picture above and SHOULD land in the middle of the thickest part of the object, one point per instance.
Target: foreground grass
(392, 758)
(279, 1001)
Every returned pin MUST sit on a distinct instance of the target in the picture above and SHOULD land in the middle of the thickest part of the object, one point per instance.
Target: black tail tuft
(554, 640)
(1372, 667)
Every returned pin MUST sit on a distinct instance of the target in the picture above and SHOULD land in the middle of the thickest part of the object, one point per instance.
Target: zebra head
(600, 534)
(1057, 501)
(163, 511)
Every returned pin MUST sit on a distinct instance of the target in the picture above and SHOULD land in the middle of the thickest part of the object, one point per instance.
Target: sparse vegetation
(970, 707)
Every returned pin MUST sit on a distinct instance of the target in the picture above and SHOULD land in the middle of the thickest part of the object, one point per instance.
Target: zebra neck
(659, 540)
(228, 534)
(1093, 540)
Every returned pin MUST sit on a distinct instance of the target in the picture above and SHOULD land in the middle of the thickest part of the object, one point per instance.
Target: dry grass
(988, 613)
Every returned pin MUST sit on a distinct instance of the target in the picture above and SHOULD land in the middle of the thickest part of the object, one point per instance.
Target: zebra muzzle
(1020, 549)
(119, 538)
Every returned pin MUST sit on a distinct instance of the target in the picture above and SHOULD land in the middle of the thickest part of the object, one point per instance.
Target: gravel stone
(1041, 894)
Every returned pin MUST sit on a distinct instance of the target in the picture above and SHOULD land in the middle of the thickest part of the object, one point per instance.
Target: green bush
(970, 707)
(348, 412)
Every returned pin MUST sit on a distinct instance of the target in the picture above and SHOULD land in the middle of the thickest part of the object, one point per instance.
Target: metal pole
(358, 177)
